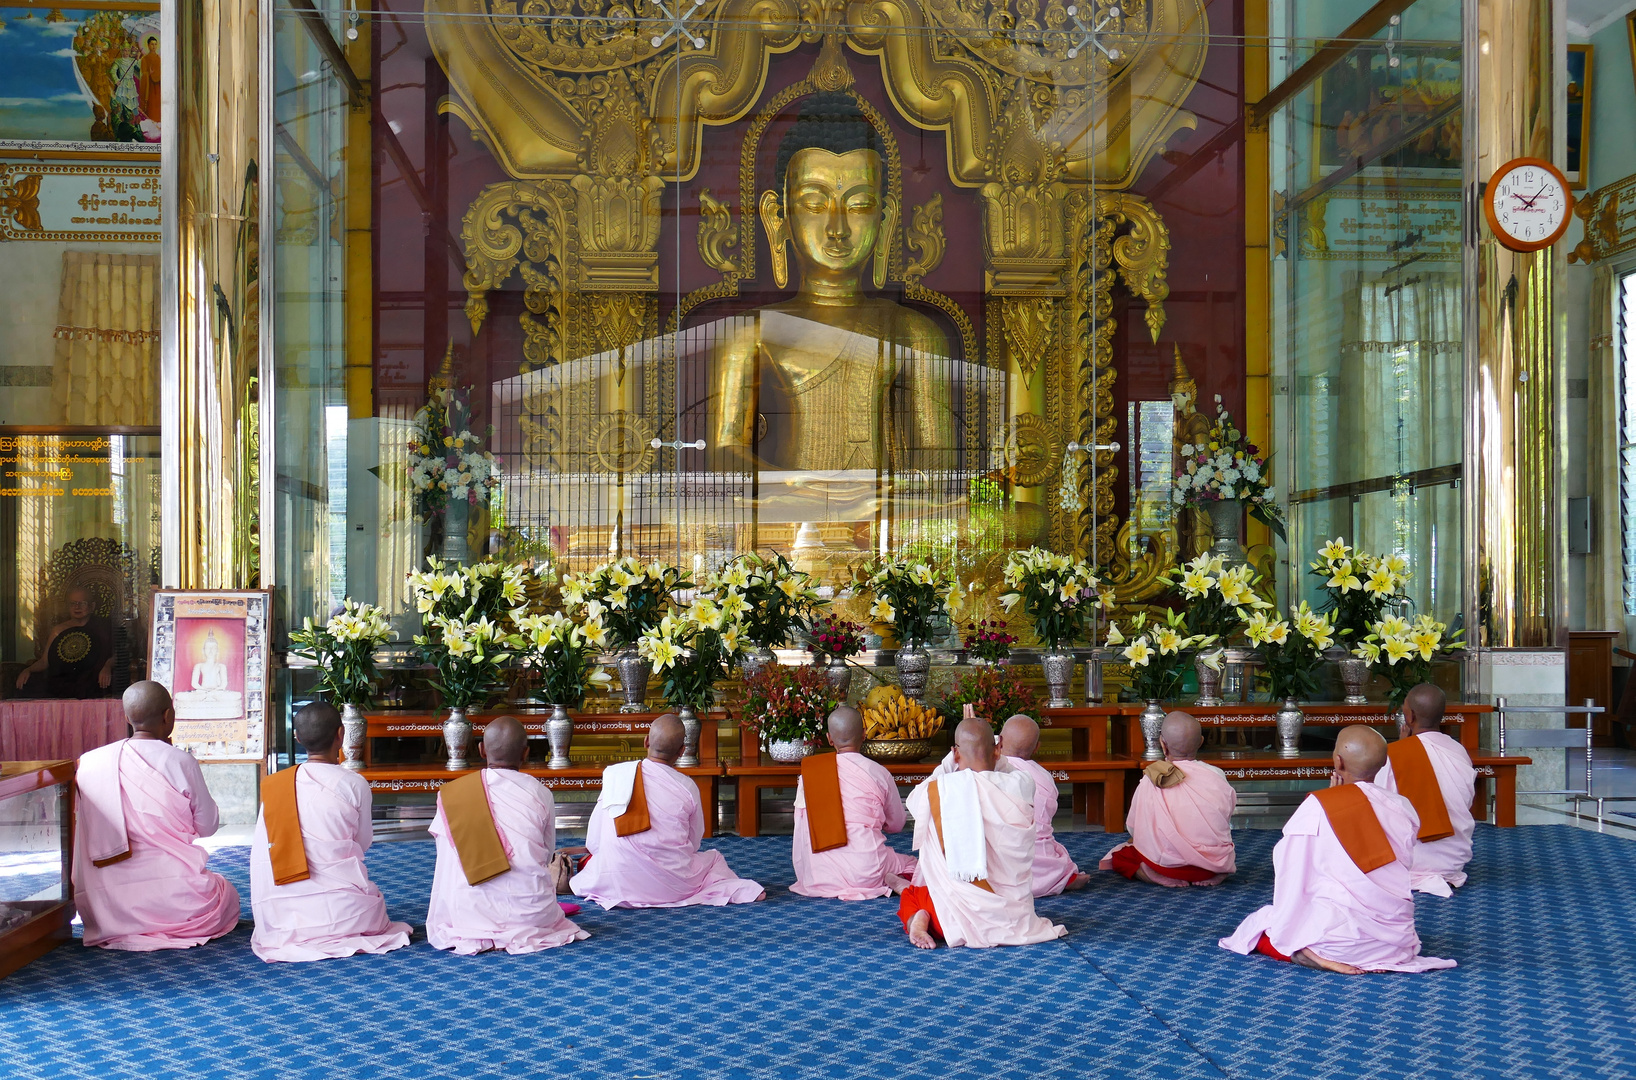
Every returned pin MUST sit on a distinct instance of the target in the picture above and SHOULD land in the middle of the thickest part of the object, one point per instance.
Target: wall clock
(1527, 204)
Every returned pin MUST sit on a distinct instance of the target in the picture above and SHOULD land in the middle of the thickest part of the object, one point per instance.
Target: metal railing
(1560, 739)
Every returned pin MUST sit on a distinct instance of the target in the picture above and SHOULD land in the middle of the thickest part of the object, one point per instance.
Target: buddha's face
(212, 651)
(833, 206)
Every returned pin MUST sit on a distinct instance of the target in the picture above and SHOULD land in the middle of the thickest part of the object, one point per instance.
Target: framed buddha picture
(209, 649)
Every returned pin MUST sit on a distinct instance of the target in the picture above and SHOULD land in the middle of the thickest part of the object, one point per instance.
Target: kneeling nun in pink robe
(1434, 773)
(852, 801)
(493, 887)
(140, 882)
(1342, 899)
(1180, 825)
(644, 837)
(1054, 869)
(309, 889)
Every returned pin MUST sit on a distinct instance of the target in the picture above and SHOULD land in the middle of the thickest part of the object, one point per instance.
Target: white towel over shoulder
(965, 844)
(618, 784)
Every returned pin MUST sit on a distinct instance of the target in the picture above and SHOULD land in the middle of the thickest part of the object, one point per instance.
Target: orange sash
(471, 827)
(635, 818)
(1352, 816)
(937, 822)
(282, 817)
(826, 818)
(1417, 782)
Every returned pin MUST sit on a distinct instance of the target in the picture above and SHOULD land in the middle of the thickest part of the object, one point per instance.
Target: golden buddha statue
(840, 379)
(1192, 429)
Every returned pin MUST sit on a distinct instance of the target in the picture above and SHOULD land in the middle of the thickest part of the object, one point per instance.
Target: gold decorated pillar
(1516, 576)
(211, 308)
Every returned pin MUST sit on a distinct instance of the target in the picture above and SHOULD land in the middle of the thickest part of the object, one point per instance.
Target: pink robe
(858, 871)
(516, 911)
(149, 798)
(1435, 867)
(662, 867)
(337, 910)
(1190, 824)
(1053, 867)
(1323, 902)
(968, 914)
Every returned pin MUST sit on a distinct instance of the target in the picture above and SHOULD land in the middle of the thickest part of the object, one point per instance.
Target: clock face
(1528, 204)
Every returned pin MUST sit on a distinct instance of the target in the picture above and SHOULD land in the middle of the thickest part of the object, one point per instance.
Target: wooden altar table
(39, 730)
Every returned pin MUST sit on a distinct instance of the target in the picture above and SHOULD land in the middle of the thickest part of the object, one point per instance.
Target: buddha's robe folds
(515, 910)
(336, 910)
(1053, 866)
(1438, 863)
(1322, 900)
(1181, 832)
(660, 866)
(871, 807)
(986, 897)
(141, 804)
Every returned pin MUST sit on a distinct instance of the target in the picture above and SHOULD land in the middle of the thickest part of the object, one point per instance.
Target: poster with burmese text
(209, 649)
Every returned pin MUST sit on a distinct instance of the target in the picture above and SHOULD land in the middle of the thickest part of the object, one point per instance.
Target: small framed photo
(210, 650)
(1581, 60)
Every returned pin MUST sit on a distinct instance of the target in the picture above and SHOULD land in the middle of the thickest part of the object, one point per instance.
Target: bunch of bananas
(901, 718)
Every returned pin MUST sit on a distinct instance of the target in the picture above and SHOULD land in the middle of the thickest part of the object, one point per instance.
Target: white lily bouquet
(696, 648)
(1220, 600)
(1403, 651)
(1058, 593)
(1360, 586)
(781, 599)
(564, 651)
(343, 650)
(1291, 650)
(908, 596)
(631, 598)
(1158, 654)
(469, 615)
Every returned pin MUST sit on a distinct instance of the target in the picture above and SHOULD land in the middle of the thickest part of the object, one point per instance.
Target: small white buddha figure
(209, 697)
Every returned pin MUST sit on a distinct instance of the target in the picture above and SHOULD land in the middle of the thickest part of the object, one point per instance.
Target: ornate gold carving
(716, 233)
(1030, 330)
(1142, 254)
(1032, 452)
(1609, 214)
(20, 201)
(621, 443)
(926, 236)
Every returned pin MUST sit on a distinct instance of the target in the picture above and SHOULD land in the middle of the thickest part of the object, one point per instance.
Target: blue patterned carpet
(799, 988)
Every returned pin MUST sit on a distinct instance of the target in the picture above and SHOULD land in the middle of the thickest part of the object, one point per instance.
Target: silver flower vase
(1290, 719)
(354, 733)
(788, 751)
(1058, 665)
(634, 671)
(1208, 667)
(1226, 520)
(690, 737)
(559, 730)
(1152, 721)
(839, 674)
(756, 661)
(914, 668)
(456, 738)
(1354, 677)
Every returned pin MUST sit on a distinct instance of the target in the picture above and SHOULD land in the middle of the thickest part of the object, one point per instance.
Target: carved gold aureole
(592, 119)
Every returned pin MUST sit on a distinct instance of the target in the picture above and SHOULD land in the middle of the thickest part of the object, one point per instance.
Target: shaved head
(505, 743)
(1020, 737)
(1359, 753)
(1423, 708)
(974, 745)
(317, 726)
(665, 738)
(147, 707)
(845, 728)
(1181, 736)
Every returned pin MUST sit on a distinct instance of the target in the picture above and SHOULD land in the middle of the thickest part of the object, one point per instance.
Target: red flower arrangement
(789, 704)
(994, 693)
(835, 639)
(988, 640)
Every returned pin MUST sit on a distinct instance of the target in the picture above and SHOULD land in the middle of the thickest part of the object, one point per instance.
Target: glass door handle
(676, 444)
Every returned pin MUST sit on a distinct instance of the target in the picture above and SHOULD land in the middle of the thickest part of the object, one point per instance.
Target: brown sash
(1163, 774)
(1356, 826)
(471, 827)
(1417, 781)
(937, 821)
(282, 818)
(635, 818)
(826, 818)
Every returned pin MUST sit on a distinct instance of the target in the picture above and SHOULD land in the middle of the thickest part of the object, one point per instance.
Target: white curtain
(1402, 375)
(105, 370)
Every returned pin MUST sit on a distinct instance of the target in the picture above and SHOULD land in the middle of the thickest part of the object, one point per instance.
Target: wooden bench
(1461, 722)
(416, 778)
(1493, 771)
